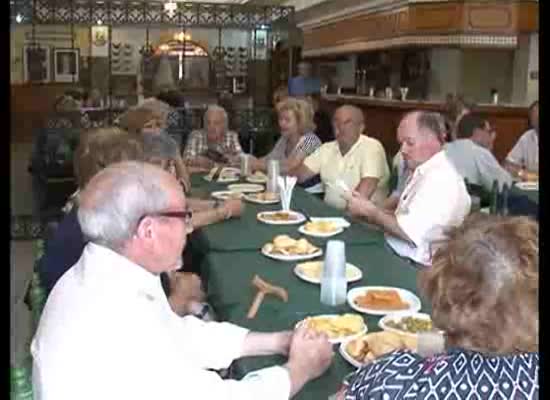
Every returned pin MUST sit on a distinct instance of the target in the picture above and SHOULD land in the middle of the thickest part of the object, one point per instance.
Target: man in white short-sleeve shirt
(523, 159)
(434, 199)
(108, 332)
(353, 161)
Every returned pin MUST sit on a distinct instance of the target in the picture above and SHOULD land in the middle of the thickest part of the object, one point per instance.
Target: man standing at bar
(107, 331)
(435, 196)
(353, 161)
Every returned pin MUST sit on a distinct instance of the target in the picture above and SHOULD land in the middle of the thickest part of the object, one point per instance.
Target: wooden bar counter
(383, 116)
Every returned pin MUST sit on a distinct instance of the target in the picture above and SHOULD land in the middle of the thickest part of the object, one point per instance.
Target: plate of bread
(311, 271)
(382, 300)
(281, 217)
(227, 175)
(364, 349)
(285, 248)
(321, 229)
(262, 198)
(257, 177)
(338, 328)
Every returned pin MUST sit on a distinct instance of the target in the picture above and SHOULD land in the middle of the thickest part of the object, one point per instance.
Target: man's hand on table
(185, 290)
(309, 357)
(359, 206)
(233, 208)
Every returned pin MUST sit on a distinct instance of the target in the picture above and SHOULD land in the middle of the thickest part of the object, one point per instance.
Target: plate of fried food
(257, 177)
(281, 217)
(262, 198)
(382, 300)
(338, 328)
(364, 349)
(246, 188)
(311, 271)
(226, 195)
(226, 175)
(320, 229)
(407, 323)
(285, 248)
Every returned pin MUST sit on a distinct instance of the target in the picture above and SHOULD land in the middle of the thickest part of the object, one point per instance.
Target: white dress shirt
(434, 199)
(477, 164)
(525, 153)
(108, 332)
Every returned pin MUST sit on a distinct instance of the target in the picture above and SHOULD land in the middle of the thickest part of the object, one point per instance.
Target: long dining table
(230, 258)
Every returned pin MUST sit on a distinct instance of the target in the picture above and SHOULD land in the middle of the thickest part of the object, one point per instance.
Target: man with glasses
(471, 153)
(107, 331)
(352, 162)
(435, 196)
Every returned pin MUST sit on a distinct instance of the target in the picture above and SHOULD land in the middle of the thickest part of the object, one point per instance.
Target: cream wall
(533, 84)
(445, 73)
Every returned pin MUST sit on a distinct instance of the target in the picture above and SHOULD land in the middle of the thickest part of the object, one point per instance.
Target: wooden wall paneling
(509, 129)
(527, 17)
(440, 18)
(490, 18)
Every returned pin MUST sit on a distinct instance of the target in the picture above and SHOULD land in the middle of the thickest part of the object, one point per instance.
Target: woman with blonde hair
(297, 139)
(143, 120)
(483, 287)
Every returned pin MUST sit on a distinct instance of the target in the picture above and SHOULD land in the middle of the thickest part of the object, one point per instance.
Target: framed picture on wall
(66, 65)
(36, 63)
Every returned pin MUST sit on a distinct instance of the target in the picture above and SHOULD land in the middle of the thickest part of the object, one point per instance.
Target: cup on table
(273, 173)
(245, 165)
(334, 284)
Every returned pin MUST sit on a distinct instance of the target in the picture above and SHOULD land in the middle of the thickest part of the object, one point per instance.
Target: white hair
(215, 108)
(116, 198)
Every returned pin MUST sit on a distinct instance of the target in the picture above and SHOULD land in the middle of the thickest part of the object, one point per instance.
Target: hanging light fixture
(170, 7)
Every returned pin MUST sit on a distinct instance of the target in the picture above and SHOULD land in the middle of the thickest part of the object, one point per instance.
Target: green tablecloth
(247, 233)
(229, 277)
(532, 195)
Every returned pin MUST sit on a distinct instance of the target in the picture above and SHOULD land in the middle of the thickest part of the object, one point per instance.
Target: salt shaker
(334, 284)
(273, 173)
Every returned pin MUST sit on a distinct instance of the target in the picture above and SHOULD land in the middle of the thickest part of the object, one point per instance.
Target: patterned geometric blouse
(457, 374)
(308, 143)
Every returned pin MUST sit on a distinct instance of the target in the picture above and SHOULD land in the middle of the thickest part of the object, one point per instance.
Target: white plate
(407, 296)
(341, 222)
(227, 175)
(296, 257)
(344, 353)
(302, 229)
(341, 338)
(226, 195)
(246, 188)
(257, 178)
(299, 220)
(397, 316)
(257, 201)
(527, 185)
(353, 273)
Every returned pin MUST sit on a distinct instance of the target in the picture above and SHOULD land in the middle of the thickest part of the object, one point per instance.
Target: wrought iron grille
(128, 12)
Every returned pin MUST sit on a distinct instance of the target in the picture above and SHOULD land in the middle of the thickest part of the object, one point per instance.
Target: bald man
(434, 198)
(353, 161)
(107, 331)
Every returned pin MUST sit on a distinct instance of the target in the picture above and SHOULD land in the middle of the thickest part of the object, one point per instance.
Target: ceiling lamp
(170, 7)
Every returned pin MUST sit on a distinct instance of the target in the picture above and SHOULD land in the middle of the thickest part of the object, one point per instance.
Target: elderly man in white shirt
(523, 159)
(107, 331)
(434, 198)
(471, 153)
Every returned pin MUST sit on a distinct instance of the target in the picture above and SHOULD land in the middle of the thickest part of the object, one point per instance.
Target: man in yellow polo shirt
(353, 160)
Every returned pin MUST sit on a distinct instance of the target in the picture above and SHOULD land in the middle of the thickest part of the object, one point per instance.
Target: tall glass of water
(334, 284)
(245, 165)
(273, 173)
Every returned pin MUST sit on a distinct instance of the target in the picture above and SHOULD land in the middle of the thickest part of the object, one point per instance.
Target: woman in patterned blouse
(483, 287)
(297, 139)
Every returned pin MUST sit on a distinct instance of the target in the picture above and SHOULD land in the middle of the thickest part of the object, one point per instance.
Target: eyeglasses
(186, 215)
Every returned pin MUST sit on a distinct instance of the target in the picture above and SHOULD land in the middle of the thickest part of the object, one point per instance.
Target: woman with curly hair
(483, 287)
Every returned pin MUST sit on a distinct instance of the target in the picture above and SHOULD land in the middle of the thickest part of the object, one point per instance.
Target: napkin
(286, 186)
